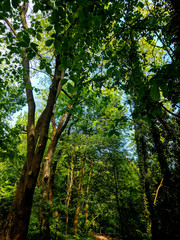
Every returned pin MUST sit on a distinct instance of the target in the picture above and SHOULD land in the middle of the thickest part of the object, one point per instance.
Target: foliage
(117, 68)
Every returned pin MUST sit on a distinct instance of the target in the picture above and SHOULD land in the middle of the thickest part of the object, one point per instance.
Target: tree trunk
(79, 195)
(69, 191)
(117, 200)
(87, 193)
(16, 226)
(46, 183)
(175, 26)
(143, 167)
(160, 151)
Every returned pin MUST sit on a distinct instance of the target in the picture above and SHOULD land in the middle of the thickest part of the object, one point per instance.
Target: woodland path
(100, 237)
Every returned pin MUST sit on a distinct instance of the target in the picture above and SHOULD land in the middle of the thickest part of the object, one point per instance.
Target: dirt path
(100, 237)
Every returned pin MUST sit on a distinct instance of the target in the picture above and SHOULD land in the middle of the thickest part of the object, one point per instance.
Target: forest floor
(101, 237)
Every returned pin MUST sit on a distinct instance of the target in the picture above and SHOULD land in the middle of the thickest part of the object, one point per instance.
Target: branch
(84, 100)
(69, 129)
(59, 88)
(66, 93)
(175, 115)
(160, 185)
(35, 69)
(24, 9)
(10, 25)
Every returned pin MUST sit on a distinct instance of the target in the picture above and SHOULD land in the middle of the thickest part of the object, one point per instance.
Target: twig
(175, 115)
(35, 69)
(66, 93)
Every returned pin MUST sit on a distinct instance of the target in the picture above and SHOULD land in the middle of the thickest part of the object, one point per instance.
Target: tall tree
(75, 28)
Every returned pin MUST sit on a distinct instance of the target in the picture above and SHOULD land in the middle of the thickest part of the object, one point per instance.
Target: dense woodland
(89, 119)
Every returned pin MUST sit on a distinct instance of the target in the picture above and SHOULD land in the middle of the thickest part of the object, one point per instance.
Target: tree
(69, 47)
(84, 48)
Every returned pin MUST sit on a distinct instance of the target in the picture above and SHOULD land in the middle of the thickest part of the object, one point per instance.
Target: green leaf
(38, 37)
(70, 88)
(34, 46)
(64, 81)
(26, 38)
(109, 72)
(42, 64)
(154, 93)
(48, 70)
(57, 46)
(49, 28)
(49, 42)
(140, 4)
(31, 55)
(36, 7)
(15, 3)
(19, 35)
(55, 16)
(6, 6)
(23, 44)
(111, 133)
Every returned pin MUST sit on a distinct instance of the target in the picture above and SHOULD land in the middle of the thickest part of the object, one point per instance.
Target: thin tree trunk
(143, 167)
(117, 200)
(87, 193)
(79, 195)
(69, 191)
